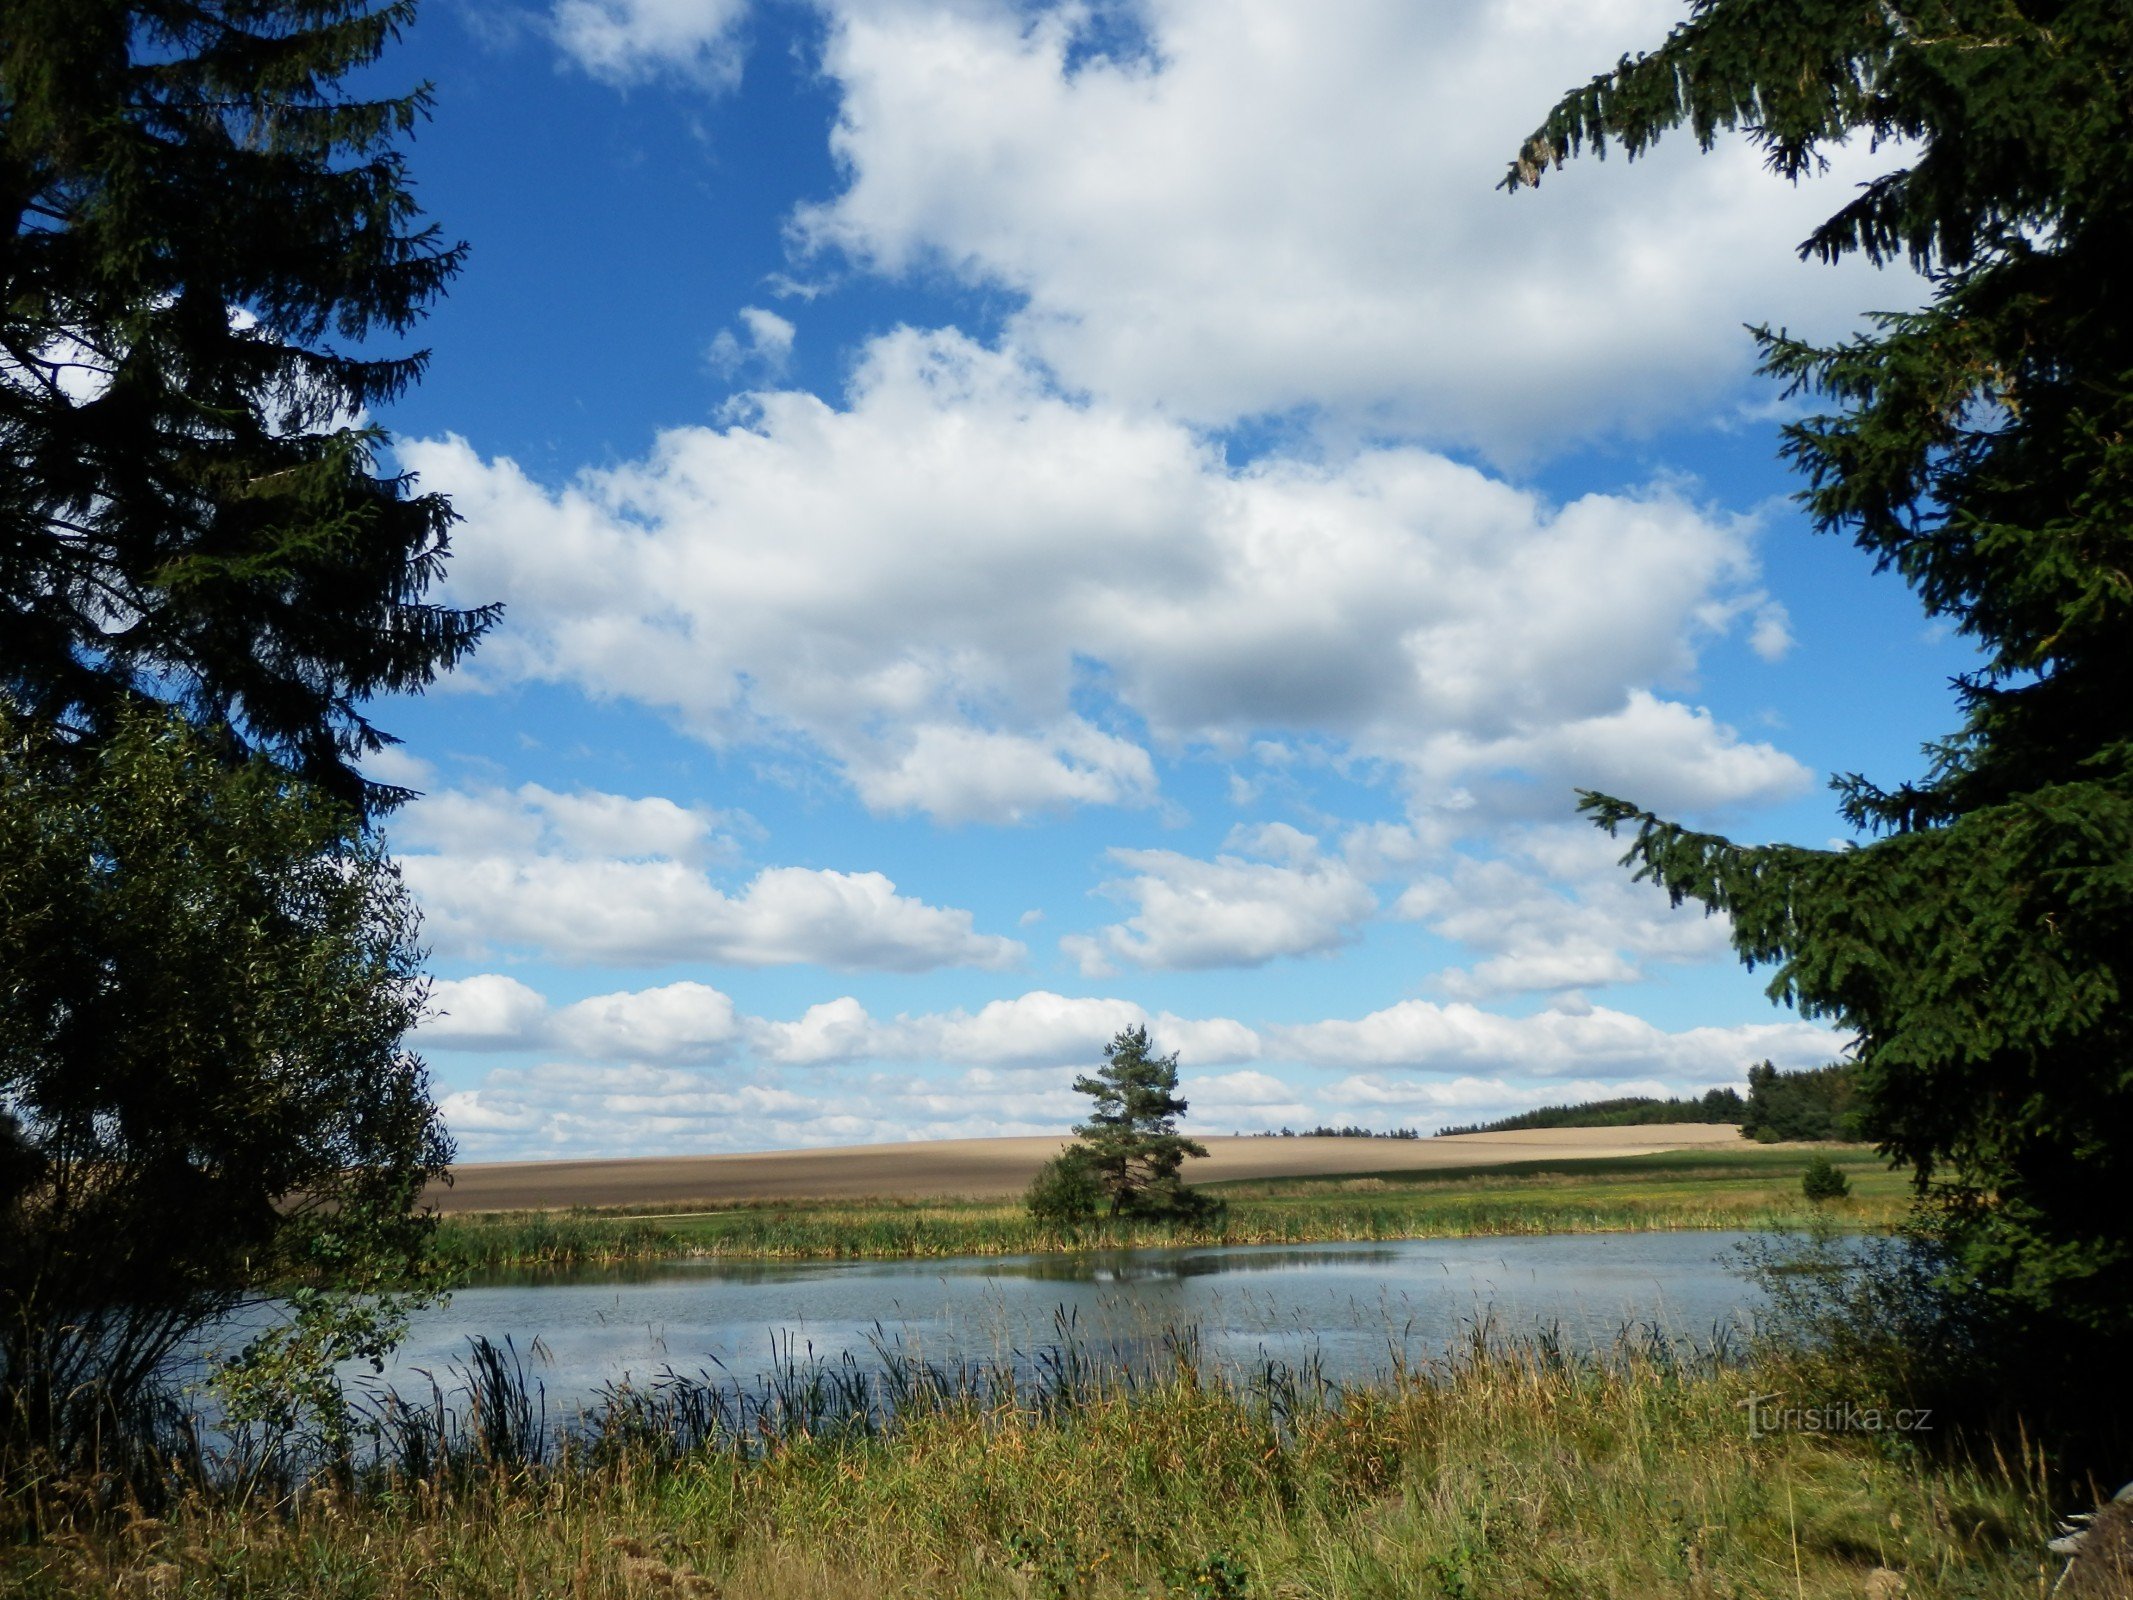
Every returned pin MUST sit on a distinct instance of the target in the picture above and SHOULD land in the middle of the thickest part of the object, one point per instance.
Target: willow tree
(1981, 941)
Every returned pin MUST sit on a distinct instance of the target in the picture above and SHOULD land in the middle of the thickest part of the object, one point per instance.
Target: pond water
(1349, 1310)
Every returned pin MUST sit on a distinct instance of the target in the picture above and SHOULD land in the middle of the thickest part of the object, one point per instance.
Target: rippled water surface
(1353, 1309)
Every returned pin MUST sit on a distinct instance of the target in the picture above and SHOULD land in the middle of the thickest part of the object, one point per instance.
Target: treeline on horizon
(1819, 1103)
(1323, 1131)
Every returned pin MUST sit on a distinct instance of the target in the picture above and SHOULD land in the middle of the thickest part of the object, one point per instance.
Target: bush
(1822, 1181)
(1065, 1192)
(206, 971)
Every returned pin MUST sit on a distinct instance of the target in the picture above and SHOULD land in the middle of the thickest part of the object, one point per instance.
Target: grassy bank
(1745, 1188)
(1508, 1476)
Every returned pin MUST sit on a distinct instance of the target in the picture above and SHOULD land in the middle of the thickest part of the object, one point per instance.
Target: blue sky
(1017, 520)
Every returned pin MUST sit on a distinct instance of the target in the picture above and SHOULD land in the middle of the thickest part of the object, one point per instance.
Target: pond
(1350, 1311)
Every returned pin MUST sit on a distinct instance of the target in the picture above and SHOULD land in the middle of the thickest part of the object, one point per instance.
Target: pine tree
(1130, 1144)
(1980, 944)
(206, 239)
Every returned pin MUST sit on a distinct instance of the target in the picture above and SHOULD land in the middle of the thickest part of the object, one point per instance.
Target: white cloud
(586, 823)
(644, 912)
(836, 1030)
(1230, 911)
(1659, 753)
(627, 41)
(1034, 1030)
(1272, 208)
(486, 1012)
(766, 346)
(1771, 637)
(938, 587)
(561, 1109)
(965, 774)
(1215, 1101)
(680, 1021)
(636, 1081)
(591, 877)
(1460, 1038)
(1559, 912)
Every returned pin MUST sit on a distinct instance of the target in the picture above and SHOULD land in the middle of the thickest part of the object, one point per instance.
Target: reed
(1497, 1471)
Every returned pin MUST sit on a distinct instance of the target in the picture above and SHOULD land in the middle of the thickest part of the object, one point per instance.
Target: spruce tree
(1981, 942)
(209, 240)
(206, 963)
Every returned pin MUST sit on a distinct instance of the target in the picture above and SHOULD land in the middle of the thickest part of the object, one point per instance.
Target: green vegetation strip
(1747, 1188)
(1508, 1476)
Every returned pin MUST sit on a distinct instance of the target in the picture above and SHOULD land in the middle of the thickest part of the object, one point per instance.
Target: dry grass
(1512, 1477)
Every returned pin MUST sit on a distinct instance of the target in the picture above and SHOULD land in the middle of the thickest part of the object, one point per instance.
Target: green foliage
(1631, 1111)
(1980, 944)
(205, 974)
(1130, 1145)
(1819, 1104)
(1822, 1181)
(1065, 1192)
(201, 231)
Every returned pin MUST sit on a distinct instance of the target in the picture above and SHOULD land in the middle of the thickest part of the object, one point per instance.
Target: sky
(1017, 521)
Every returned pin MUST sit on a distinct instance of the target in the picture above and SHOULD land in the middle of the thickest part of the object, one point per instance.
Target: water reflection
(1351, 1310)
(1158, 1266)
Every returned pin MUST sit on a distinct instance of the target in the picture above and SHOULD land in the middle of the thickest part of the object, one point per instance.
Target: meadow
(1748, 1186)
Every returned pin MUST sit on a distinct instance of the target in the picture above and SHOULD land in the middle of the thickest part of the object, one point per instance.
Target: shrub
(1822, 1181)
(1065, 1191)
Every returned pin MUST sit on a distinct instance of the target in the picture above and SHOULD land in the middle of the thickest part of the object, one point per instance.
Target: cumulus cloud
(532, 818)
(486, 1012)
(1461, 1038)
(561, 1109)
(657, 912)
(762, 581)
(1257, 1099)
(611, 879)
(1556, 911)
(1257, 208)
(680, 1067)
(626, 41)
(678, 1021)
(1231, 911)
(1034, 1030)
(966, 774)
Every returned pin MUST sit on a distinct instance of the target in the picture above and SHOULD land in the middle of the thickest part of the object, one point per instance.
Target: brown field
(981, 1169)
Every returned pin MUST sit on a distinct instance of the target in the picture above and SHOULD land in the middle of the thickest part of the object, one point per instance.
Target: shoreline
(1746, 1187)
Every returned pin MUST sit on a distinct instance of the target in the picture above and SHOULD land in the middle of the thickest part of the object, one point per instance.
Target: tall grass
(1499, 1471)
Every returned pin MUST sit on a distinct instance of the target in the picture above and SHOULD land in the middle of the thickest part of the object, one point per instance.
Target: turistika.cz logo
(1768, 1413)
